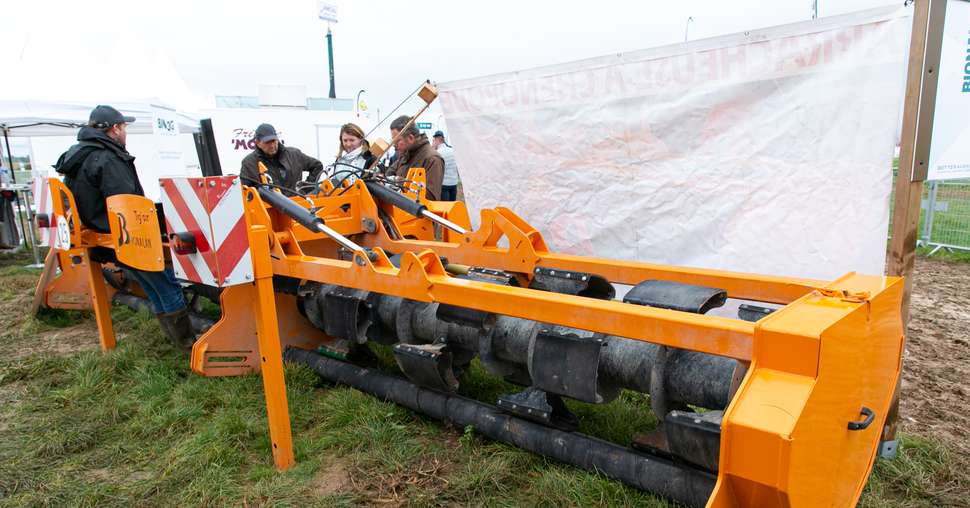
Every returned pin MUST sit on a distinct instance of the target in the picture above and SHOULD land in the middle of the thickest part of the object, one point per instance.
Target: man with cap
(284, 165)
(98, 167)
(449, 182)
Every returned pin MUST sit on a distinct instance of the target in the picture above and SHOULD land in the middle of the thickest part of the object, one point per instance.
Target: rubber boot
(178, 327)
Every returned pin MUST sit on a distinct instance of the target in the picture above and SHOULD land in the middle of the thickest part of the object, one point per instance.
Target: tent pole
(21, 201)
(6, 140)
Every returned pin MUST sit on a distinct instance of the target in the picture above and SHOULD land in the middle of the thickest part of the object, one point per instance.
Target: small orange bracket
(74, 242)
(845, 296)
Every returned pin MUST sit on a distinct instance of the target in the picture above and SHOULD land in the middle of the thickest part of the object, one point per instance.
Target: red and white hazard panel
(44, 208)
(206, 225)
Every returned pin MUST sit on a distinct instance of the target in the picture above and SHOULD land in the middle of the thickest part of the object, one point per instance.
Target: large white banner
(768, 151)
(950, 148)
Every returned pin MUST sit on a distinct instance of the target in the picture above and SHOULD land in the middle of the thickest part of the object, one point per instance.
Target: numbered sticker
(63, 240)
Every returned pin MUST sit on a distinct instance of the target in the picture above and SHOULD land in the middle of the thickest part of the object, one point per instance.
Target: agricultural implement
(780, 404)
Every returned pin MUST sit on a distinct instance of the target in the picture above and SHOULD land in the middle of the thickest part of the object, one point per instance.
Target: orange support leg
(274, 384)
(99, 300)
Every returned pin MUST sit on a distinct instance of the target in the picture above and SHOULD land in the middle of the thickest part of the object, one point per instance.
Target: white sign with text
(950, 145)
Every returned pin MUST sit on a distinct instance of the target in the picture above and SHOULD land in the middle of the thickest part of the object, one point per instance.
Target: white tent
(60, 75)
(34, 118)
(50, 93)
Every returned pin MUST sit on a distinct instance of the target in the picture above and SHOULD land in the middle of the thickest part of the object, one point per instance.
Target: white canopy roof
(59, 78)
(46, 118)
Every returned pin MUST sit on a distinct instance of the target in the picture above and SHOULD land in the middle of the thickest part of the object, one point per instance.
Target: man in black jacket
(284, 165)
(99, 166)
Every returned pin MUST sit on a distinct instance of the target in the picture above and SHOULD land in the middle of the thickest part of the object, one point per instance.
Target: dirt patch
(936, 366)
(414, 484)
(332, 478)
(397, 488)
(60, 341)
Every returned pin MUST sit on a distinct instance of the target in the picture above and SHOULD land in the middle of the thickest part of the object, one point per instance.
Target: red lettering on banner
(615, 81)
(733, 60)
(455, 102)
(707, 65)
(509, 94)
(662, 75)
(844, 39)
(683, 68)
(786, 47)
(527, 92)
(589, 79)
(810, 56)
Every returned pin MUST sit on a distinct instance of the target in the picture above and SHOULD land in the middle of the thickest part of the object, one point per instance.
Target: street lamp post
(328, 12)
(357, 102)
(687, 27)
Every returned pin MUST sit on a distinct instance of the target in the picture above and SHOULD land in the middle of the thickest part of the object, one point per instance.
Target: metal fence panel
(945, 216)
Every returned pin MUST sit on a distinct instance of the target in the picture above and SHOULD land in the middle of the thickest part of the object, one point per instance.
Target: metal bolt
(515, 406)
(212, 183)
(585, 277)
(249, 277)
(552, 272)
(200, 183)
(538, 270)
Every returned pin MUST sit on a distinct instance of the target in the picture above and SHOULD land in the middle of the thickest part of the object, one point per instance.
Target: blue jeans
(449, 192)
(164, 292)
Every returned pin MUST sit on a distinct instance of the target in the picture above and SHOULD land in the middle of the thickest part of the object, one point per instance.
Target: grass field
(134, 427)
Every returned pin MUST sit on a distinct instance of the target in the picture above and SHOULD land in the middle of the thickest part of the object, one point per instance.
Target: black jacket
(94, 169)
(292, 160)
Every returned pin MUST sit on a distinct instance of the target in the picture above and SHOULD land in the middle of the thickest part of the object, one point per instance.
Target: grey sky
(228, 47)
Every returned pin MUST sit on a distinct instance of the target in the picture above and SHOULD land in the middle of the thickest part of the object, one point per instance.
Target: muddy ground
(936, 365)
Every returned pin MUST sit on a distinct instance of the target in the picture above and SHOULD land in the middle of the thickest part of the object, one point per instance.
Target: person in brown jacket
(414, 151)
(284, 165)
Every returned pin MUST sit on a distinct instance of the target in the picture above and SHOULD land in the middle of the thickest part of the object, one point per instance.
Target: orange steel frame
(81, 284)
(833, 347)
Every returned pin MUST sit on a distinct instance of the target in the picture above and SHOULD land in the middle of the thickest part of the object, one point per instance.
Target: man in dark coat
(284, 165)
(98, 167)
(414, 151)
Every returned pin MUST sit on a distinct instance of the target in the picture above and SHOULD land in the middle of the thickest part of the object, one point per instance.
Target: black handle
(864, 424)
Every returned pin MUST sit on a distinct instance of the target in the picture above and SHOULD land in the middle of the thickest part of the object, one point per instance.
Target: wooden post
(924, 59)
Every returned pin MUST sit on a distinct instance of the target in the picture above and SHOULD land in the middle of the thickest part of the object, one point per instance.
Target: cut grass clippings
(135, 426)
